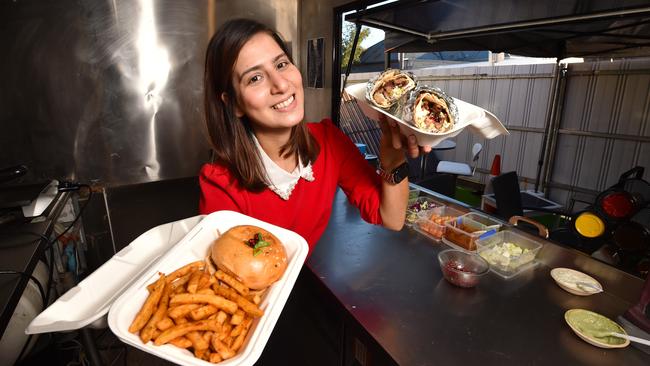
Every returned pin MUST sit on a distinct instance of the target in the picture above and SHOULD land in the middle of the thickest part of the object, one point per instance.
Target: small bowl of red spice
(461, 268)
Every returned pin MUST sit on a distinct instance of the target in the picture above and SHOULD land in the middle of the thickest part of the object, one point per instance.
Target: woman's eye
(283, 64)
(255, 79)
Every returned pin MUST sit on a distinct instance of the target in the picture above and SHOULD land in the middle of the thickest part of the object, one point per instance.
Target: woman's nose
(279, 84)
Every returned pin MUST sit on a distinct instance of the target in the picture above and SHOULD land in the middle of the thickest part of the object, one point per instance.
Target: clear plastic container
(417, 205)
(466, 229)
(432, 222)
(461, 268)
(508, 253)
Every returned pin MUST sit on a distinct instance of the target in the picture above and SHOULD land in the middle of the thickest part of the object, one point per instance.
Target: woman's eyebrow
(259, 66)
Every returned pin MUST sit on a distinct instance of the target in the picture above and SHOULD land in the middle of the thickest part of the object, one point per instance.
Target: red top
(308, 209)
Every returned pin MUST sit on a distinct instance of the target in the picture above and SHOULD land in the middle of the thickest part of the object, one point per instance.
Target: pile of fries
(199, 308)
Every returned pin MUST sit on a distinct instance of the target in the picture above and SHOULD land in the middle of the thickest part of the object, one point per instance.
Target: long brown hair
(232, 137)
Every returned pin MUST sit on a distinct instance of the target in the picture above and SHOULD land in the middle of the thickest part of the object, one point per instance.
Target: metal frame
(364, 17)
(554, 116)
(337, 86)
(485, 77)
(614, 136)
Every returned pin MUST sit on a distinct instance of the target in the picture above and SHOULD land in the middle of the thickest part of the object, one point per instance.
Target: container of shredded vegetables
(418, 205)
(508, 253)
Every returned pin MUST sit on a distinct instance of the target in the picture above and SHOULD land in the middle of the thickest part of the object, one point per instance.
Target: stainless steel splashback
(104, 91)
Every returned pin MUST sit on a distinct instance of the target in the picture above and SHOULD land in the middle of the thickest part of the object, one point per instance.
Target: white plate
(194, 246)
(479, 120)
(566, 278)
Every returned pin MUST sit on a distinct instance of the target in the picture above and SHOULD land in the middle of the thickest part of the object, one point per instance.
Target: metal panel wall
(110, 92)
(103, 91)
(605, 126)
(281, 15)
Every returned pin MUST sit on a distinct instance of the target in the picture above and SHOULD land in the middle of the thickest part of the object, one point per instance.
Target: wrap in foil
(386, 89)
(430, 109)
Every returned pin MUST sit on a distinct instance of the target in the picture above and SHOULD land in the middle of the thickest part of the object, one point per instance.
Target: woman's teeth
(284, 104)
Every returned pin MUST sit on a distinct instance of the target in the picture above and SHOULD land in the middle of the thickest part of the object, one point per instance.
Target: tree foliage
(346, 45)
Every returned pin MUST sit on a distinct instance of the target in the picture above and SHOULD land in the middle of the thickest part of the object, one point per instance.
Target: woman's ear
(225, 99)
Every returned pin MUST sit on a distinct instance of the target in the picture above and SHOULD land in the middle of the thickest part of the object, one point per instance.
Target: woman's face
(268, 86)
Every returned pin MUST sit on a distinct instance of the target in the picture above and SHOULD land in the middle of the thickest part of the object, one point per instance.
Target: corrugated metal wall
(603, 128)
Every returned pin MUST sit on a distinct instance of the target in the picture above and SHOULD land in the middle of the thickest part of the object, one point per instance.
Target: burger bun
(234, 253)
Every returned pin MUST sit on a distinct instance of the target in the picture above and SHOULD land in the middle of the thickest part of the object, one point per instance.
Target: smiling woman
(268, 87)
(269, 163)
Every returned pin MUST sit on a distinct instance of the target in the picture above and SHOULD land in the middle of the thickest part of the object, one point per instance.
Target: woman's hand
(393, 143)
(392, 146)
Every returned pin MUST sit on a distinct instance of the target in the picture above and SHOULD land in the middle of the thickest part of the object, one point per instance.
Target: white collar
(279, 180)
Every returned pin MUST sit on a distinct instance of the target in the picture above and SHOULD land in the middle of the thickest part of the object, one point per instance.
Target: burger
(251, 254)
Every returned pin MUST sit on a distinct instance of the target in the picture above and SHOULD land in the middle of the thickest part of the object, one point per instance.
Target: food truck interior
(102, 140)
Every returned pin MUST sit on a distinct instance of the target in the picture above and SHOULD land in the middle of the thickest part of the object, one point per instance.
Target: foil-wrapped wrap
(430, 109)
(387, 88)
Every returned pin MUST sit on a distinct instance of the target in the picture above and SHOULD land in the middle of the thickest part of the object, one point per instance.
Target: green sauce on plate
(593, 325)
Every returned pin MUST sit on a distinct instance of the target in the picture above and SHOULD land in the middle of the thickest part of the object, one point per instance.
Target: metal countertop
(21, 247)
(391, 284)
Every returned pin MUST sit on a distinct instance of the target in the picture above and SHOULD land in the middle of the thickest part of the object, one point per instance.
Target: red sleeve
(214, 195)
(357, 177)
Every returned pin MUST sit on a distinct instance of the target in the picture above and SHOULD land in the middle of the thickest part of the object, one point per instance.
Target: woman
(269, 163)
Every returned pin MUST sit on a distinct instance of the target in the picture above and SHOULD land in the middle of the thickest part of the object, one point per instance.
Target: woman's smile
(285, 105)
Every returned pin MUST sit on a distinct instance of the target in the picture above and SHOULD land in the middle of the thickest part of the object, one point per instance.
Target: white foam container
(89, 301)
(194, 246)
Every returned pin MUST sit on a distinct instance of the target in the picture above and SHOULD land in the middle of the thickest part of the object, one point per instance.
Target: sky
(376, 35)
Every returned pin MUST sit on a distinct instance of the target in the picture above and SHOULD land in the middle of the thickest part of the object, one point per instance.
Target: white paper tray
(479, 120)
(195, 246)
(92, 297)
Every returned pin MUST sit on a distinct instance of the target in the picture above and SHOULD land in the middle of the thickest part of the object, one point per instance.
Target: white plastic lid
(92, 297)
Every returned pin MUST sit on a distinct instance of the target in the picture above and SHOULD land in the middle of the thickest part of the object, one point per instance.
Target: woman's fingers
(384, 124)
(395, 134)
(390, 128)
(399, 141)
(412, 148)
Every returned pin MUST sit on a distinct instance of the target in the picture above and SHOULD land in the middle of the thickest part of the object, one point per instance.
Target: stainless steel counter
(392, 286)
